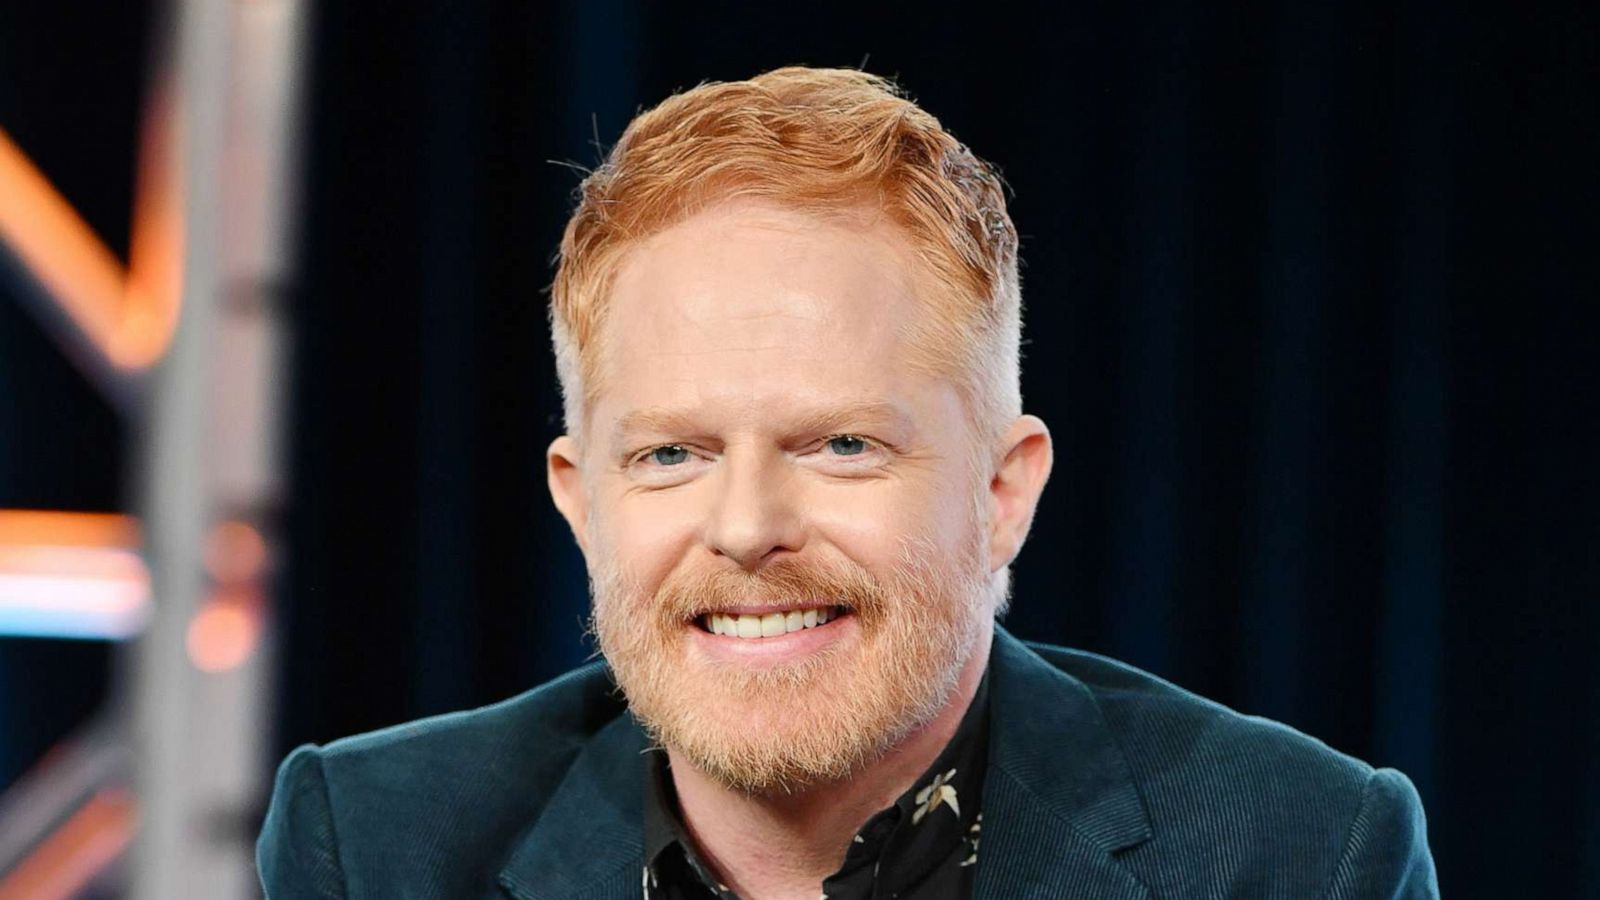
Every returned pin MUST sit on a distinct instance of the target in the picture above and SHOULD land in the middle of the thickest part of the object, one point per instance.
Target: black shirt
(924, 847)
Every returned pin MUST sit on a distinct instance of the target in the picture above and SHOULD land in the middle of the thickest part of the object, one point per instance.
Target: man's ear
(1014, 490)
(563, 471)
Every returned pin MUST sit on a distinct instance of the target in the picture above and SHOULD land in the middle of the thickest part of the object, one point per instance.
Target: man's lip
(780, 649)
(749, 610)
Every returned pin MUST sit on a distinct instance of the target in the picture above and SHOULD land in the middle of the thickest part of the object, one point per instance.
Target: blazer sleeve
(297, 854)
(1386, 847)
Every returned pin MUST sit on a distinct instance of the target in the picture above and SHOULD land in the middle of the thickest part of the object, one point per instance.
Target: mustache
(687, 595)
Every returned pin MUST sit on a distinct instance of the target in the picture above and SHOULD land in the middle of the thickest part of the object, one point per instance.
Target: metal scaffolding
(188, 341)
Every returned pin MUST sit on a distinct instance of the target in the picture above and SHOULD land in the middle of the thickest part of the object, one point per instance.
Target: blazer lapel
(1058, 799)
(588, 842)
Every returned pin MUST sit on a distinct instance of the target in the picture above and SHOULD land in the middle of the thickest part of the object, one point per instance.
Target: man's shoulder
(1245, 800)
(547, 723)
(518, 747)
(1164, 728)
(439, 800)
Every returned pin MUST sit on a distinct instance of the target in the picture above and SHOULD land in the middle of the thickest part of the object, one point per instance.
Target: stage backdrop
(1308, 305)
(1309, 308)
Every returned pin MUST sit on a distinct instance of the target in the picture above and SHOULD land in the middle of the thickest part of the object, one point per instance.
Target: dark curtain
(1309, 297)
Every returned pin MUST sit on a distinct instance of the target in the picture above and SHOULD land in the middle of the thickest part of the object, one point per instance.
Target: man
(786, 322)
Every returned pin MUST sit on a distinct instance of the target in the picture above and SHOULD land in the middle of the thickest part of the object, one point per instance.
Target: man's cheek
(648, 546)
(870, 542)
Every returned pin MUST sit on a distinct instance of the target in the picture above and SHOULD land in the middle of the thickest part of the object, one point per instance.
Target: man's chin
(758, 738)
(773, 760)
(735, 712)
(777, 739)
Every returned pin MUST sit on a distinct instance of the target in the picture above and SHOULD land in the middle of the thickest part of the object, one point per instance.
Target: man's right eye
(668, 455)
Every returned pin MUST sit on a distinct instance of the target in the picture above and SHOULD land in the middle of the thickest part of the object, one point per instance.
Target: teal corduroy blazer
(1104, 782)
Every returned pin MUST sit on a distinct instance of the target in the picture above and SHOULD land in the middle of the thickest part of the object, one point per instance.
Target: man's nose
(754, 516)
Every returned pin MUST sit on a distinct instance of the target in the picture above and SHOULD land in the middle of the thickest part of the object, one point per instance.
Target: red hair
(829, 142)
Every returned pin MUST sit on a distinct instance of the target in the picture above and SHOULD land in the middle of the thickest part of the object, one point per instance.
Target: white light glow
(73, 592)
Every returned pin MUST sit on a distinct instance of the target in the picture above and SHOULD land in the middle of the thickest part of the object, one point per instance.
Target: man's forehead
(728, 277)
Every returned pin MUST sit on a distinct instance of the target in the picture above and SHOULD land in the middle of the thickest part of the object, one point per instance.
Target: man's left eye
(669, 455)
(847, 445)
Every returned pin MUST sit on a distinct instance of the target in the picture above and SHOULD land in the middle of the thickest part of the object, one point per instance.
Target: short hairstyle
(829, 142)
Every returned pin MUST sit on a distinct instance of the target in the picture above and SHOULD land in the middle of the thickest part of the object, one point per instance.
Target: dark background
(1309, 297)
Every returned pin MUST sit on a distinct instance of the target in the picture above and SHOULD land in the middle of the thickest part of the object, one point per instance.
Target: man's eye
(847, 445)
(670, 455)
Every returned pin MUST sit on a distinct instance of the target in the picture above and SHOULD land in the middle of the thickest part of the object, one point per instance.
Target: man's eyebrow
(651, 419)
(669, 421)
(841, 417)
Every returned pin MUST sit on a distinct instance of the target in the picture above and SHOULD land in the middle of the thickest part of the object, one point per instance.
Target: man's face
(763, 460)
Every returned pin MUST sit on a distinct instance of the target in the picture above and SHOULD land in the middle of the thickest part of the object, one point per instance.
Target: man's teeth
(770, 625)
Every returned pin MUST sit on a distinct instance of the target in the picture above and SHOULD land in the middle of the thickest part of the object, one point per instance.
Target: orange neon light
(129, 315)
(71, 856)
(50, 528)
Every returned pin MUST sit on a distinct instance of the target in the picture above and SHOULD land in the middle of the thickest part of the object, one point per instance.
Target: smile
(778, 622)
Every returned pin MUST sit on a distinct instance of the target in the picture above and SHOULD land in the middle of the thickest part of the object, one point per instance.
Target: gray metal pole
(211, 471)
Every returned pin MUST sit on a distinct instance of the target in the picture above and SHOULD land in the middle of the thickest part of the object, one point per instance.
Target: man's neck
(785, 845)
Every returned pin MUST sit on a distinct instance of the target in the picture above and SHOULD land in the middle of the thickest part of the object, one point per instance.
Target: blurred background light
(76, 852)
(225, 630)
(71, 575)
(235, 552)
(127, 314)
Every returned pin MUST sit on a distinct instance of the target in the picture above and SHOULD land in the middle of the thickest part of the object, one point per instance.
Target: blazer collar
(1059, 801)
(1059, 798)
(588, 841)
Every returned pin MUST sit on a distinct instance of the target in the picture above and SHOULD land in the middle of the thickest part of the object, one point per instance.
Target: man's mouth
(770, 624)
